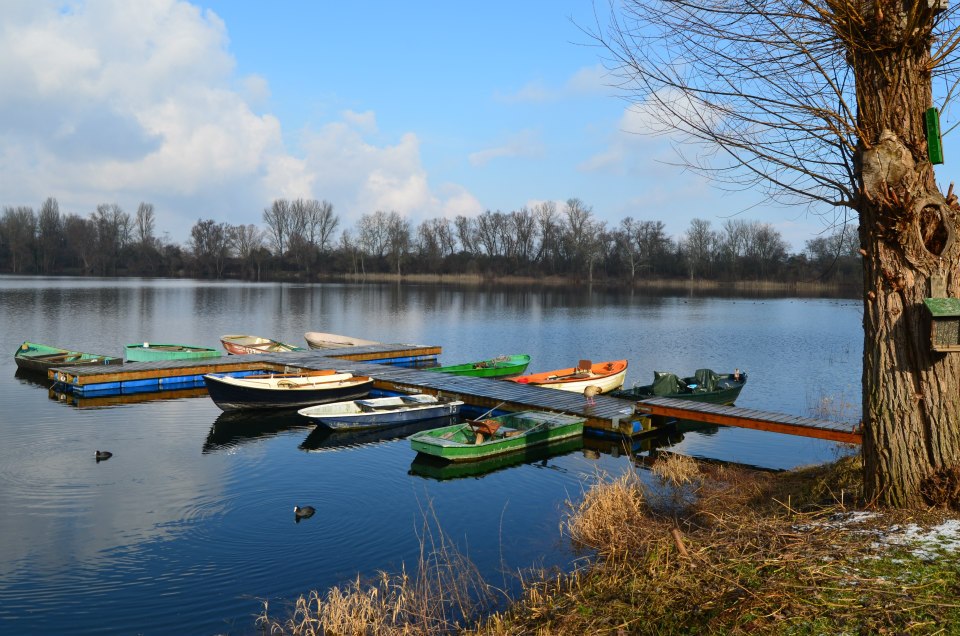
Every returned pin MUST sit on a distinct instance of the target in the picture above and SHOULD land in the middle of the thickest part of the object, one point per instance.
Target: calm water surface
(190, 527)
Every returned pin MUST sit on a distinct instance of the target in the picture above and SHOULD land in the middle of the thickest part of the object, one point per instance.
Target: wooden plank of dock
(752, 419)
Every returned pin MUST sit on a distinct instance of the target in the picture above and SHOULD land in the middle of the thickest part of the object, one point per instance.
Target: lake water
(190, 525)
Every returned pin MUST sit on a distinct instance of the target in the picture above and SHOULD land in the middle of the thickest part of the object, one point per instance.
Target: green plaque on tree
(931, 119)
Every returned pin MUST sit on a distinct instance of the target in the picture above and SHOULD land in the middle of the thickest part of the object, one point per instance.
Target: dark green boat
(703, 386)
(499, 367)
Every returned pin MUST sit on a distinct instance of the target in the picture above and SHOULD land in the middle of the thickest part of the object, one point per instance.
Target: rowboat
(322, 439)
(703, 386)
(238, 344)
(283, 390)
(319, 340)
(500, 367)
(510, 433)
(381, 412)
(149, 351)
(608, 376)
(441, 470)
(38, 358)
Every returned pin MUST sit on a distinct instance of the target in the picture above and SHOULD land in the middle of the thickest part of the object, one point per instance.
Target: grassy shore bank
(716, 550)
(806, 289)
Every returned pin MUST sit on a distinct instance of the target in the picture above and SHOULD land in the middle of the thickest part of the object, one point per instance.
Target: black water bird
(303, 513)
(103, 455)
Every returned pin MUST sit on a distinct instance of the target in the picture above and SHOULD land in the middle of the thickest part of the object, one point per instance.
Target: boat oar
(491, 410)
(469, 423)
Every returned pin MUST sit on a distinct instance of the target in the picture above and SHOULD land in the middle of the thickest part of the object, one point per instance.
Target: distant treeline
(303, 240)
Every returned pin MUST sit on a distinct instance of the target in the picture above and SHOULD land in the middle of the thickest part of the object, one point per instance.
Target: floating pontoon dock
(607, 415)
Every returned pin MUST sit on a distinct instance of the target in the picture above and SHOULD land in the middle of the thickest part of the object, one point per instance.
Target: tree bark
(908, 233)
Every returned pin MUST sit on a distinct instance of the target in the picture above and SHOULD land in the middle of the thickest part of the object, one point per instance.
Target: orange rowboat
(608, 376)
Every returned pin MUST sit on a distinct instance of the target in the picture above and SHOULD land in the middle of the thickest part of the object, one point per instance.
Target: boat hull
(501, 367)
(150, 352)
(459, 442)
(242, 345)
(320, 340)
(727, 391)
(231, 396)
(427, 466)
(380, 412)
(39, 358)
(608, 376)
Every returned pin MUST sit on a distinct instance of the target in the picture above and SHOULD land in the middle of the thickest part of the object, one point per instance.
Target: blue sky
(213, 108)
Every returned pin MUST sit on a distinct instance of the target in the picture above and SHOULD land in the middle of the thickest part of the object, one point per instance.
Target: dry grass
(717, 549)
(445, 596)
(754, 553)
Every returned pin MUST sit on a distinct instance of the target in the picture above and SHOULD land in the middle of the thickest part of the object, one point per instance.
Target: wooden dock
(607, 416)
(749, 418)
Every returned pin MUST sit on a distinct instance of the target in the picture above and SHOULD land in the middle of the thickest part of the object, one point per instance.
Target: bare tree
(18, 227)
(210, 245)
(733, 238)
(373, 230)
(279, 223)
(466, 233)
(398, 238)
(765, 248)
(825, 102)
(81, 240)
(626, 246)
(145, 225)
(113, 234)
(49, 234)
(325, 222)
(247, 242)
(698, 246)
(523, 229)
(548, 225)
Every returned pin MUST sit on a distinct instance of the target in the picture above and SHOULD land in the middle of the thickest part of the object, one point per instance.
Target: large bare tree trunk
(908, 233)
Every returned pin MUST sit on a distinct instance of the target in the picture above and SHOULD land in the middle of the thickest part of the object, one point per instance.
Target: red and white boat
(608, 376)
(239, 344)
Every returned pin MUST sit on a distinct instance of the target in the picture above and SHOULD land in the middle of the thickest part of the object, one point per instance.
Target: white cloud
(360, 177)
(525, 143)
(119, 102)
(591, 80)
(588, 81)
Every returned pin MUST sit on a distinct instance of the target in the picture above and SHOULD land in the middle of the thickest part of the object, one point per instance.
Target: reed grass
(694, 548)
(446, 594)
(754, 553)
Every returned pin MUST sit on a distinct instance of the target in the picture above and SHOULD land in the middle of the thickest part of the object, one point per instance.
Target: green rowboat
(37, 358)
(149, 352)
(510, 433)
(427, 466)
(499, 367)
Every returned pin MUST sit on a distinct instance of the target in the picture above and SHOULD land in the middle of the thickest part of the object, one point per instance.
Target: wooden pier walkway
(749, 418)
(606, 415)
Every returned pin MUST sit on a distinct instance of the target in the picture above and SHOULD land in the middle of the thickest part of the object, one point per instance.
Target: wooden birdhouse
(944, 323)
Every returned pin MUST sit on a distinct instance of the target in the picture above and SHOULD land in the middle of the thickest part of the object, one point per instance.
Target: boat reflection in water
(33, 378)
(233, 428)
(325, 439)
(439, 469)
(647, 444)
